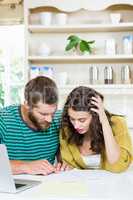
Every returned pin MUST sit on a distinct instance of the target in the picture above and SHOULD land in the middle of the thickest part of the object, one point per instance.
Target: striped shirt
(24, 143)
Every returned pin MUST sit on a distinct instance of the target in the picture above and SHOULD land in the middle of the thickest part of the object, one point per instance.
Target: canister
(125, 74)
(93, 75)
(108, 75)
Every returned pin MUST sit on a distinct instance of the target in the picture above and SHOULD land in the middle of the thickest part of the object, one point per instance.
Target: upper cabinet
(49, 24)
(108, 67)
(107, 24)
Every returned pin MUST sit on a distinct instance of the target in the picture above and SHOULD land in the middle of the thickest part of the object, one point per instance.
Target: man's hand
(40, 167)
(34, 167)
(62, 167)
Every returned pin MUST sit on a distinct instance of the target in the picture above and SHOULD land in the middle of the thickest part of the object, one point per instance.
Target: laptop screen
(7, 183)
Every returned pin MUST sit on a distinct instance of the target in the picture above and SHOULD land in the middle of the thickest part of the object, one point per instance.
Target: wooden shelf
(81, 28)
(82, 59)
(108, 89)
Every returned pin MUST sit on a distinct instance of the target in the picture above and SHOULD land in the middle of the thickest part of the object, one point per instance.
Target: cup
(115, 18)
(46, 18)
(61, 19)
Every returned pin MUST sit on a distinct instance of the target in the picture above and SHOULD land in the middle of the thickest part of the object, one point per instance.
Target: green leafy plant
(79, 44)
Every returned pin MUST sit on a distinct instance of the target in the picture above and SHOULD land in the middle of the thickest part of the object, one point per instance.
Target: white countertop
(78, 185)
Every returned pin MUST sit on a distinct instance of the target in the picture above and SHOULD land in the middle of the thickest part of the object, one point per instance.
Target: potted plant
(81, 46)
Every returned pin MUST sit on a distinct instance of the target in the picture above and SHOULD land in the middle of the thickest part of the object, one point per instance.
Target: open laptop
(7, 183)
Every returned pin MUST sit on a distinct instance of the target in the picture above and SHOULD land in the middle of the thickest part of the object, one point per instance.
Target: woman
(90, 136)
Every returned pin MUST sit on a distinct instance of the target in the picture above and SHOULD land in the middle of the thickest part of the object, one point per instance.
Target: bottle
(108, 75)
(125, 74)
(93, 75)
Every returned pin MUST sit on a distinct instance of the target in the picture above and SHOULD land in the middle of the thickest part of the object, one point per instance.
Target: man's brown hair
(41, 89)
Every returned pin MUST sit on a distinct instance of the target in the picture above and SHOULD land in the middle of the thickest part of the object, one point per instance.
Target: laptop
(7, 183)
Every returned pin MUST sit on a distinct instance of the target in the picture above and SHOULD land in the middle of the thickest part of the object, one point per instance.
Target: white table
(78, 185)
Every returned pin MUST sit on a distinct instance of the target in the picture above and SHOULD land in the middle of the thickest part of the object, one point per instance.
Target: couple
(89, 136)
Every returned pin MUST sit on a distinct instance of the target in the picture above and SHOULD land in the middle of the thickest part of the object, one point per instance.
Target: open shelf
(105, 89)
(82, 28)
(82, 59)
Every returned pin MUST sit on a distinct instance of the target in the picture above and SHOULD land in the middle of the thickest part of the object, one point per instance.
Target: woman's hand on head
(98, 103)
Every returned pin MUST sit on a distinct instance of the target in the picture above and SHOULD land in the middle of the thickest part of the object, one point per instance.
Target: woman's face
(80, 120)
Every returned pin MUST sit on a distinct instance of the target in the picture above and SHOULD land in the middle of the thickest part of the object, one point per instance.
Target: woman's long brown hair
(80, 100)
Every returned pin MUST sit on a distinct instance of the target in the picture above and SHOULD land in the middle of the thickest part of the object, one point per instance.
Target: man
(30, 131)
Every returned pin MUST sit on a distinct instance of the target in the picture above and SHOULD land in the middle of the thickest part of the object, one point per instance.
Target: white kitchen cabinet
(89, 20)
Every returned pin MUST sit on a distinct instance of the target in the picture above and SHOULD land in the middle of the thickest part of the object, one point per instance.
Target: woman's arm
(111, 147)
(118, 147)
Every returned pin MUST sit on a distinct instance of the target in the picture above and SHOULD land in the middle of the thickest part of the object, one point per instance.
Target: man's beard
(39, 126)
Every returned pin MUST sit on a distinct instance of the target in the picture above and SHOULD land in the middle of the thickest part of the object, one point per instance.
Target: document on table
(74, 183)
(63, 189)
(82, 175)
(82, 185)
(65, 184)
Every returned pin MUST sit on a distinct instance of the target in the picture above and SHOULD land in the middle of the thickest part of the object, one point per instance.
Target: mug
(46, 18)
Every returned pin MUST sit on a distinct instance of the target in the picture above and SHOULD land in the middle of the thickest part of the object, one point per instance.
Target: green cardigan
(70, 153)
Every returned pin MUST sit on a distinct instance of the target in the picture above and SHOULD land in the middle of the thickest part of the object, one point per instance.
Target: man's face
(41, 115)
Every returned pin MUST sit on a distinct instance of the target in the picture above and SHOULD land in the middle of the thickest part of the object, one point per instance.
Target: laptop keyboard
(18, 185)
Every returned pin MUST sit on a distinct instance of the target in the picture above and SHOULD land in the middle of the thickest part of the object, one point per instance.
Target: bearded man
(31, 131)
